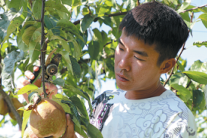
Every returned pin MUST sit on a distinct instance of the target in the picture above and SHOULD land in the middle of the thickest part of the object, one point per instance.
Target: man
(152, 35)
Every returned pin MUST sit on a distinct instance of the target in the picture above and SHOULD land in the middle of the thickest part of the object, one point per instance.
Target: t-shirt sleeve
(181, 128)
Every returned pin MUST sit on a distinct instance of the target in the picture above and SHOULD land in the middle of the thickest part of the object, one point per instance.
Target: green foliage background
(68, 28)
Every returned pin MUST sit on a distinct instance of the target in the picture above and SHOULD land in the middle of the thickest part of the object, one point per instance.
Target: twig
(43, 48)
(183, 48)
(110, 15)
(171, 72)
(138, 3)
(12, 108)
(194, 8)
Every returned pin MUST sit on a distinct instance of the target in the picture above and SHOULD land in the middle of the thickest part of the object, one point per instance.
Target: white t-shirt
(164, 116)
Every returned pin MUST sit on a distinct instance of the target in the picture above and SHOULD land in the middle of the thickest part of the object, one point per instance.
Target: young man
(152, 35)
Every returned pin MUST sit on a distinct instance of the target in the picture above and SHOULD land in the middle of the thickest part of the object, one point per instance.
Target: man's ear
(167, 65)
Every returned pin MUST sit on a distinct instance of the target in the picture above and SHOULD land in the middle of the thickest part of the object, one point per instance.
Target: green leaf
(196, 66)
(76, 91)
(34, 51)
(8, 68)
(203, 18)
(66, 57)
(86, 22)
(51, 23)
(76, 46)
(183, 7)
(16, 22)
(186, 94)
(78, 103)
(37, 9)
(27, 35)
(59, 81)
(200, 43)
(65, 107)
(94, 132)
(76, 67)
(93, 49)
(26, 116)
(197, 97)
(80, 131)
(56, 5)
(4, 23)
(27, 89)
(68, 2)
(97, 35)
(199, 77)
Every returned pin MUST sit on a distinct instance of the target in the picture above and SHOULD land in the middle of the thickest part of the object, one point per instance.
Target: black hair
(157, 24)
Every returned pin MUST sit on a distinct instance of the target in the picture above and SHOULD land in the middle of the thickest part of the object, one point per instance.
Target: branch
(171, 72)
(194, 8)
(109, 15)
(12, 108)
(43, 48)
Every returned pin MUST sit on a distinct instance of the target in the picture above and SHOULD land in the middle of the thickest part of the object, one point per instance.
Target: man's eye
(138, 58)
(121, 49)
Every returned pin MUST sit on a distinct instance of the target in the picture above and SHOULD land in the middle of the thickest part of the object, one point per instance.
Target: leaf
(65, 107)
(97, 35)
(93, 49)
(26, 116)
(51, 23)
(16, 22)
(200, 43)
(186, 94)
(78, 103)
(76, 46)
(86, 22)
(27, 35)
(197, 97)
(199, 77)
(4, 23)
(37, 9)
(76, 67)
(27, 89)
(8, 68)
(183, 7)
(34, 51)
(66, 57)
(76, 91)
(59, 81)
(203, 18)
(55, 5)
(94, 132)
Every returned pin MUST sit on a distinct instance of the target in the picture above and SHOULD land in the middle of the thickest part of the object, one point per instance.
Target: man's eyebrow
(120, 42)
(142, 53)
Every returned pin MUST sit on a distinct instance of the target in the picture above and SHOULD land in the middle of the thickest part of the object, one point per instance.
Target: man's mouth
(121, 78)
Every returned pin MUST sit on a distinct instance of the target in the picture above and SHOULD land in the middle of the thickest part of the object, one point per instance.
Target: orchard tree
(33, 31)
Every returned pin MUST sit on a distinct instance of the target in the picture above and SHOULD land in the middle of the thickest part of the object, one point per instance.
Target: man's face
(136, 64)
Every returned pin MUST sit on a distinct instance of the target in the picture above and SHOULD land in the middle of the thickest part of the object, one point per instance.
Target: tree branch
(43, 48)
(12, 108)
(194, 8)
(171, 72)
(109, 15)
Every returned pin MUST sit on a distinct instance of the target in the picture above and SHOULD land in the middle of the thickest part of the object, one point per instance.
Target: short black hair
(157, 24)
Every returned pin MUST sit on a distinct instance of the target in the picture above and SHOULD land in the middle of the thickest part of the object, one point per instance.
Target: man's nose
(124, 63)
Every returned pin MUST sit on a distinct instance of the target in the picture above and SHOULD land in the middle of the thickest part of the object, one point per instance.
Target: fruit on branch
(3, 106)
(48, 119)
(17, 105)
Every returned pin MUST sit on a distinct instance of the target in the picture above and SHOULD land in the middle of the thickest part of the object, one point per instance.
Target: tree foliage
(87, 51)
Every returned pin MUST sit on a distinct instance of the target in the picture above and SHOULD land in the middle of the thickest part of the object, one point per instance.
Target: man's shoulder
(107, 95)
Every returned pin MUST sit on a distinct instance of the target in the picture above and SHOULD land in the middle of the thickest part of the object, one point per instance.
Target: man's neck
(143, 94)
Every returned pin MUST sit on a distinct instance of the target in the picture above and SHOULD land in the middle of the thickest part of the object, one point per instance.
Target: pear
(48, 119)
(3, 106)
(17, 105)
